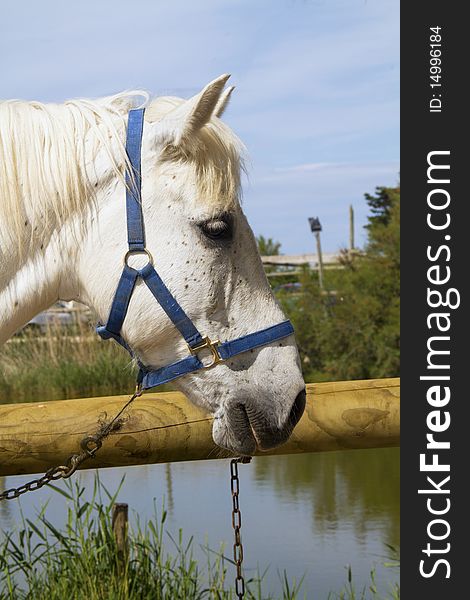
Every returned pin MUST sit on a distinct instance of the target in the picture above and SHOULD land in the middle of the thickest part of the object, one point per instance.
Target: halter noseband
(221, 351)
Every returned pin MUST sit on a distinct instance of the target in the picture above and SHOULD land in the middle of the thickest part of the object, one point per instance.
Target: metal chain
(92, 443)
(237, 524)
(89, 446)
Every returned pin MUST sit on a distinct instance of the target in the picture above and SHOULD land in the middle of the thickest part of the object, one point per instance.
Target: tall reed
(60, 362)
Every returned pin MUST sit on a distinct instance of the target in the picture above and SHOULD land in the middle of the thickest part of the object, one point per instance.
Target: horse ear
(193, 114)
(223, 101)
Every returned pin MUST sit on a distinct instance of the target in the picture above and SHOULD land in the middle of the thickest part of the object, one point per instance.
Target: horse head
(203, 249)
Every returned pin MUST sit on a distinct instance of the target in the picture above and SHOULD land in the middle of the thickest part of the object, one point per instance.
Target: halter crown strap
(220, 352)
(135, 218)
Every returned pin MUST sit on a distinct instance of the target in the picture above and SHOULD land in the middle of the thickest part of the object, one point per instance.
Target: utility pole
(320, 260)
(315, 227)
(351, 228)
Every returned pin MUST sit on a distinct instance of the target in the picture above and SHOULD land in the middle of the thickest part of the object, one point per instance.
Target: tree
(381, 206)
(267, 246)
(352, 332)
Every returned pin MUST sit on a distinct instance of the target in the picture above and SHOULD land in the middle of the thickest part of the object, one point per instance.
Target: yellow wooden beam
(166, 427)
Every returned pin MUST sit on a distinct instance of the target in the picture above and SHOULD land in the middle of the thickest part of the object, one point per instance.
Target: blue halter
(221, 351)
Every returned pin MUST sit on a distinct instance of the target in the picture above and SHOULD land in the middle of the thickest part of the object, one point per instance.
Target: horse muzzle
(243, 429)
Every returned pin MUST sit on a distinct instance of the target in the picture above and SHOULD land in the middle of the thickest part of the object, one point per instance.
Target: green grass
(369, 591)
(80, 560)
(61, 363)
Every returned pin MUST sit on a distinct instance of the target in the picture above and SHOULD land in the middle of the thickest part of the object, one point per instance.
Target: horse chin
(232, 431)
(243, 428)
(242, 431)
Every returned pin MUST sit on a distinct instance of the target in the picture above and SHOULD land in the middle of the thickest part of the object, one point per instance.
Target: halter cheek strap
(220, 351)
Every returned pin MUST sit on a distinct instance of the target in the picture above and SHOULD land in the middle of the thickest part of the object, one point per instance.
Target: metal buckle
(212, 346)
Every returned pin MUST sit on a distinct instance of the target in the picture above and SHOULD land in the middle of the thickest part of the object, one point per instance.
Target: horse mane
(44, 149)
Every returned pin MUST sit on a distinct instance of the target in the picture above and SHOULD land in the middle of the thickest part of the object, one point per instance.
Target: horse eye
(217, 229)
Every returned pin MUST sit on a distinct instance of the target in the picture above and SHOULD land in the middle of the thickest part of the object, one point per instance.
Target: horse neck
(32, 280)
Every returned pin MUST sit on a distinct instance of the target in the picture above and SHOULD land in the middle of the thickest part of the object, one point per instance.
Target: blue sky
(316, 100)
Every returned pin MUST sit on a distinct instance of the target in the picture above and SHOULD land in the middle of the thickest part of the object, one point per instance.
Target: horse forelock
(214, 153)
(43, 178)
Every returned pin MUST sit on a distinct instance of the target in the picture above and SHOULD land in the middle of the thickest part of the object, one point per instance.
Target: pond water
(310, 514)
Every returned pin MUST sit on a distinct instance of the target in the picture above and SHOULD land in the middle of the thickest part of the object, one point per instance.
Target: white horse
(63, 236)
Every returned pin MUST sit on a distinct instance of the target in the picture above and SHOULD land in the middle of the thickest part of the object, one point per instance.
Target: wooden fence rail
(166, 427)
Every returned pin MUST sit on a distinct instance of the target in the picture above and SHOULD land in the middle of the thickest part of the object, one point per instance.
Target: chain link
(89, 446)
(237, 524)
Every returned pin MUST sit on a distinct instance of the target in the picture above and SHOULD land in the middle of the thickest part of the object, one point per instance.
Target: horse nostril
(297, 409)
